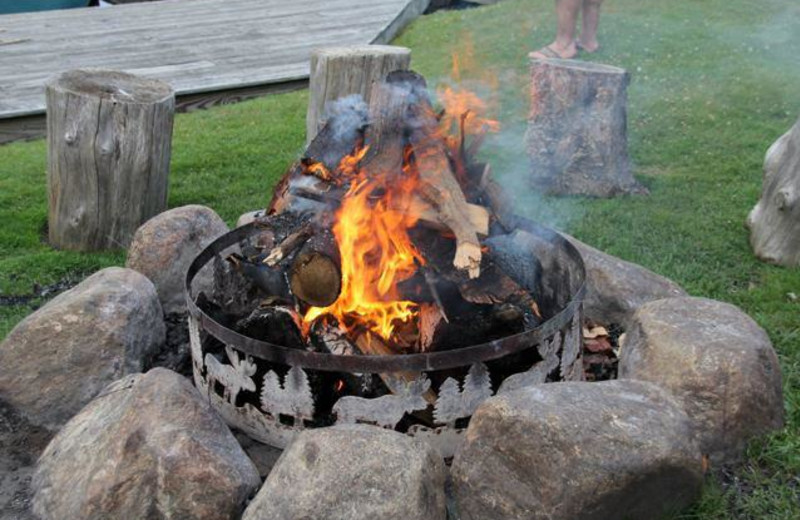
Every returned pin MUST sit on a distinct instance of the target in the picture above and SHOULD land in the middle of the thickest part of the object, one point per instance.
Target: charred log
(272, 282)
(274, 324)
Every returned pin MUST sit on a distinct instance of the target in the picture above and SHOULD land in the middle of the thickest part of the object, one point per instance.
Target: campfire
(389, 282)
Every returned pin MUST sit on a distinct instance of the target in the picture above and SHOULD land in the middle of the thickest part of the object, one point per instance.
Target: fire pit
(271, 392)
(389, 285)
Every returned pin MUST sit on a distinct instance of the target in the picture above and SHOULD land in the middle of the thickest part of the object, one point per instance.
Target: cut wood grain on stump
(109, 140)
(577, 129)
(337, 72)
(775, 221)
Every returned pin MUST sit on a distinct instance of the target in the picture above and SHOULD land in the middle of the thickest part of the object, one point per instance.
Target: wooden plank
(199, 47)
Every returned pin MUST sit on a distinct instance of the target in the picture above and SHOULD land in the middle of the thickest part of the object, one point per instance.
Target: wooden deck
(210, 51)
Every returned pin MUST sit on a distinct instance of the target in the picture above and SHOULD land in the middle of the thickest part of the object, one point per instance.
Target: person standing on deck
(566, 46)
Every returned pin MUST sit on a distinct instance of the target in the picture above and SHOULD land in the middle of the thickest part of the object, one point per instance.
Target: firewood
(388, 111)
(327, 149)
(438, 186)
(430, 315)
(271, 281)
(496, 287)
(315, 276)
(289, 245)
(478, 216)
(276, 324)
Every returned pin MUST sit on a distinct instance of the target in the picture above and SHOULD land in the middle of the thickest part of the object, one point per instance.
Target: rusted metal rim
(393, 363)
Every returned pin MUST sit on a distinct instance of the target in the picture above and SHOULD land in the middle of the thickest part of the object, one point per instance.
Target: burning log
(437, 183)
(388, 112)
(315, 276)
(426, 213)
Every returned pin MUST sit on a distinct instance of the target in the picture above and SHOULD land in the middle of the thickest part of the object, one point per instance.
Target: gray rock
(262, 455)
(164, 247)
(60, 357)
(148, 447)
(616, 288)
(617, 449)
(353, 472)
(717, 361)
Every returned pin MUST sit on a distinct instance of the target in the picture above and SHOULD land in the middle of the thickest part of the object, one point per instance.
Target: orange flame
(372, 224)
(376, 252)
(461, 103)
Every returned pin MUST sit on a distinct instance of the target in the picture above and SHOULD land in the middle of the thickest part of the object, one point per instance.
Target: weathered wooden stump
(577, 129)
(337, 72)
(775, 221)
(109, 139)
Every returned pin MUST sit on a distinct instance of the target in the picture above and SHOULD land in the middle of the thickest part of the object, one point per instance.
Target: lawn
(714, 83)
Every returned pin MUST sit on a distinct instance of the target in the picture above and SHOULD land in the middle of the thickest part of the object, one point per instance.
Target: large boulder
(353, 472)
(148, 447)
(717, 361)
(60, 357)
(617, 449)
(616, 288)
(165, 246)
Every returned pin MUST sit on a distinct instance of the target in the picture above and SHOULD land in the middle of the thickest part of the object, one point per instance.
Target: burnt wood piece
(577, 129)
(271, 281)
(315, 276)
(339, 72)
(276, 324)
(339, 137)
(537, 265)
(109, 138)
(438, 186)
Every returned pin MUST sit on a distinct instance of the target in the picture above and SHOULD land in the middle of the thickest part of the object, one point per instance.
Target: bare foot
(555, 51)
(590, 46)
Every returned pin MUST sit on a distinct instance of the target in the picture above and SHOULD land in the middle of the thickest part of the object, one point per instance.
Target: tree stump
(577, 129)
(337, 72)
(775, 221)
(109, 139)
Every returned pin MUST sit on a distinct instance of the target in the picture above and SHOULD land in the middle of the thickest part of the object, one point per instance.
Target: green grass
(715, 82)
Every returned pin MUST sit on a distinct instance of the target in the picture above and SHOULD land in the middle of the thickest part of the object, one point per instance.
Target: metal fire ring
(392, 363)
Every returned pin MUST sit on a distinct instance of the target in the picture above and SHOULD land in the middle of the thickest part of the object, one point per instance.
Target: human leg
(564, 44)
(590, 18)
